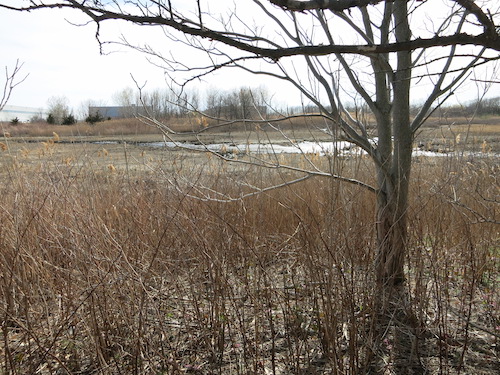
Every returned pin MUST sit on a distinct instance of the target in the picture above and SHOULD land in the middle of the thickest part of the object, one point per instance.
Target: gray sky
(64, 60)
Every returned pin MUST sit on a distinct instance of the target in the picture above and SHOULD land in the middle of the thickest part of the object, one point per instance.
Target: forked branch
(11, 82)
(99, 13)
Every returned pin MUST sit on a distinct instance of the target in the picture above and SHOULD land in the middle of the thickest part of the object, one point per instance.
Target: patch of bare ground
(112, 261)
(456, 134)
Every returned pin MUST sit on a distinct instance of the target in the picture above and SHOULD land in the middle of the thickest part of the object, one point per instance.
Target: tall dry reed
(107, 272)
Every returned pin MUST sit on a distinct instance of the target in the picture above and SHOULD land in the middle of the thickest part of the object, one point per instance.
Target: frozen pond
(305, 147)
(342, 148)
(263, 148)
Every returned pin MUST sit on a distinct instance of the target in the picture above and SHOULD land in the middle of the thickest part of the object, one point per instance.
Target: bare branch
(11, 82)
(489, 27)
(253, 160)
(333, 5)
(341, 5)
(100, 14)
(436, 92)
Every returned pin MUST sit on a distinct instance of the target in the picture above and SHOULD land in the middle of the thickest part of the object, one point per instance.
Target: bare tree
(83, 108)
(58, 108)
(11, 81)
(213, 100)
(373, 49)
(244, 103)
(383, 55)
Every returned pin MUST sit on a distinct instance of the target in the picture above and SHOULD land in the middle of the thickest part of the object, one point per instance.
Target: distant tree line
(490, 106)
(483, 107)
(164, 104)
(241, 103)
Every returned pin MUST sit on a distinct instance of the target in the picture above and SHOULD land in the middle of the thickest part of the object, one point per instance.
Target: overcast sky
(61, 59)
(64, 60)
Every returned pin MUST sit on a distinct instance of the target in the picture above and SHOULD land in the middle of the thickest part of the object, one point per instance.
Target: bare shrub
(112, 273)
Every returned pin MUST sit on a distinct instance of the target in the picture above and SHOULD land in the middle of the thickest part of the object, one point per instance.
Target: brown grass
(119, 271)
(440, 134)
(112, 127)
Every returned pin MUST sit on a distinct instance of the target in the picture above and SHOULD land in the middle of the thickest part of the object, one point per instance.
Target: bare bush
(118, 272)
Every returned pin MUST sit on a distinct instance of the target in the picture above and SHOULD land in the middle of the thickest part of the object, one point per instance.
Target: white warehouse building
(24, 114)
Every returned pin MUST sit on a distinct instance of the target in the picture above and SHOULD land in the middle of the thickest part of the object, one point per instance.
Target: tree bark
(394, 317)
(394, 174)
(391, 238)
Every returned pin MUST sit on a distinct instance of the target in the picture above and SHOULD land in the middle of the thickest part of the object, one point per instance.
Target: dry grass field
(112, 261)
(438, 133)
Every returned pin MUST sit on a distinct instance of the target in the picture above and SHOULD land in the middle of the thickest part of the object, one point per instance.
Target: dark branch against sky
(489, 38)
(252, 43)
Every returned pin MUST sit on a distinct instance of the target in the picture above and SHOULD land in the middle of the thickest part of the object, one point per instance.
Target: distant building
(119, 111)
(23, 114)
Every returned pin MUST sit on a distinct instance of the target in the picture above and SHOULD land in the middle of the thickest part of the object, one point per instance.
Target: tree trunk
(394, 174)
(394, 317)
(391, 238)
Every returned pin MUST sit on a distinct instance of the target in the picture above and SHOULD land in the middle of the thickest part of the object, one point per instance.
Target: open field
(110, 265)
(445, 134)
